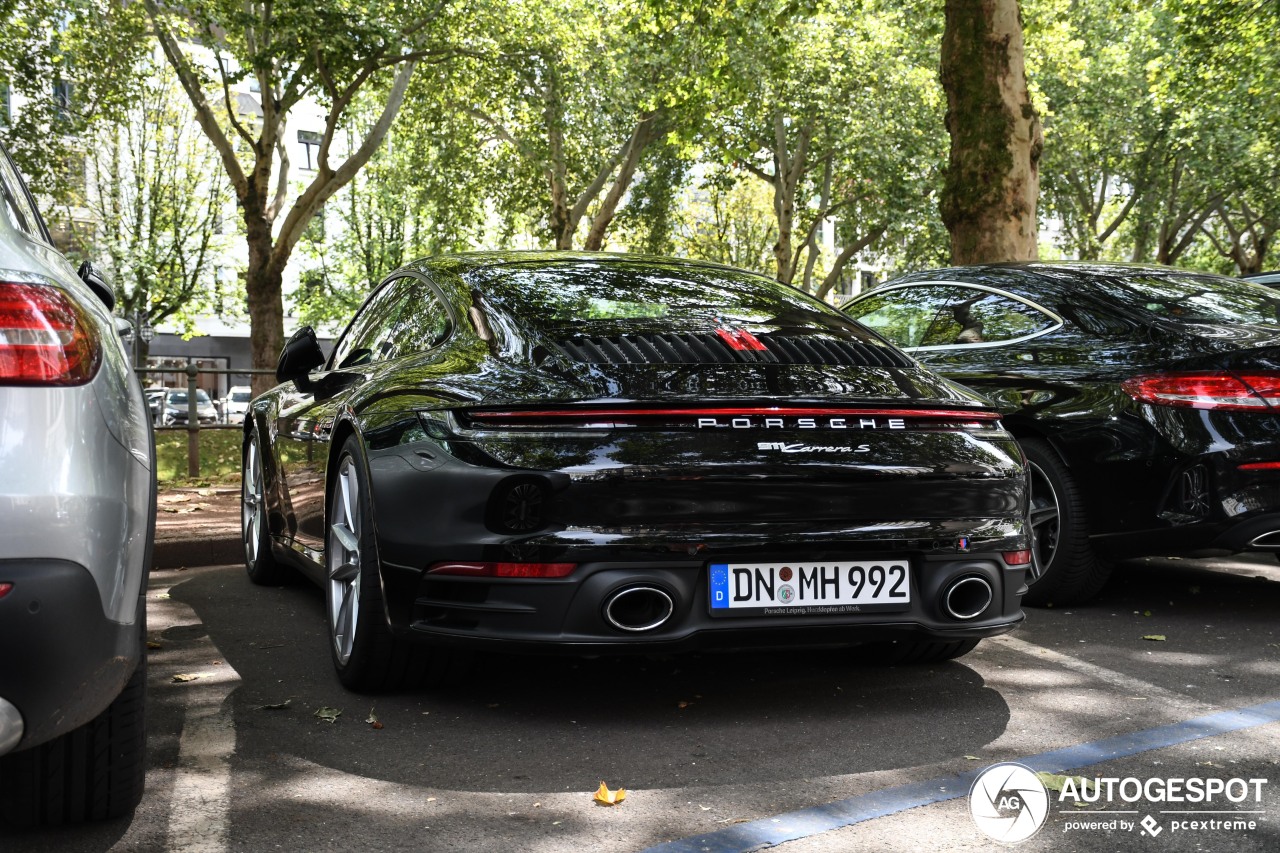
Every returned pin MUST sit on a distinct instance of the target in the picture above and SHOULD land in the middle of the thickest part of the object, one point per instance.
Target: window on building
(310, 142)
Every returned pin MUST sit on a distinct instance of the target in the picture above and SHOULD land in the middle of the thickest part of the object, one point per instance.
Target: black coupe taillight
(44, 338)
(1252, 392)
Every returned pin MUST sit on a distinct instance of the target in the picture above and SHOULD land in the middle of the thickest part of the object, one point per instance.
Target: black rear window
(586, 293)
(626, 312)
(1193, 298)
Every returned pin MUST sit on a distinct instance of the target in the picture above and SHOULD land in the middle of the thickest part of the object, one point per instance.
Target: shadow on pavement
(549, 723)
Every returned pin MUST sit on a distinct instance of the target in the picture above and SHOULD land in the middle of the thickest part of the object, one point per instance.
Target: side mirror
(98, 284)
(300, 356)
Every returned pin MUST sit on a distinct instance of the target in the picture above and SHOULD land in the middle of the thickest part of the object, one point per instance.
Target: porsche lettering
(784, 447)
(766, 422)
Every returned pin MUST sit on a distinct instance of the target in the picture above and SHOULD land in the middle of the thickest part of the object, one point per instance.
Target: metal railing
(193, 426)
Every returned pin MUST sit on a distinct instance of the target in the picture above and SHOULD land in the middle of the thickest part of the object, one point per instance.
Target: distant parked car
(155, 402)
(1147, 400)
(176, 410)
(237, 403)
(77, 511)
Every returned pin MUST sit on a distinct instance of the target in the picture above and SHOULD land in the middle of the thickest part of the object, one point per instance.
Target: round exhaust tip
(968, 597)
(638, 608)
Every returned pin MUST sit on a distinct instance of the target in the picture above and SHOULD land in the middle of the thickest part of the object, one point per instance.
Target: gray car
(77, 512)
(176, 411)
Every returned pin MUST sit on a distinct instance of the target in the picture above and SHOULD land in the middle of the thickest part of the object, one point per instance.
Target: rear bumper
(567, 615)
(65, 660)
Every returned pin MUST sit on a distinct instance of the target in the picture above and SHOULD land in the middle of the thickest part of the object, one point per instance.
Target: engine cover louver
(687, 348)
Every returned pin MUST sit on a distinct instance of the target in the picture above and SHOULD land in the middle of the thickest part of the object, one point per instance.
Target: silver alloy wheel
(342, 556)
(252, 505)
(1045, 522)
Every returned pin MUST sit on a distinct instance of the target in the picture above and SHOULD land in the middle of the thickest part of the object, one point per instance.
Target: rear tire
(911, 652)
(1067, 571)
(367, 656)
(95, 772)
(259, 562)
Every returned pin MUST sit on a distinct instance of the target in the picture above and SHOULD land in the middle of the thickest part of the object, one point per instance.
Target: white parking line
(199, 804)
(1177, 703)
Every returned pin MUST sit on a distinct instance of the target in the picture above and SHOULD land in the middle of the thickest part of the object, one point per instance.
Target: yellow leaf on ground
(1158, 638)
(605, 797)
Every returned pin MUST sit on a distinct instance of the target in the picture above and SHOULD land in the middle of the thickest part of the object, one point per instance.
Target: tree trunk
(264, 293)
(993, 177)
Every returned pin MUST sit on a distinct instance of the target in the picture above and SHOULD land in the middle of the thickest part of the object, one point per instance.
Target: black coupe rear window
(612, 311)
(598, 297)
(1197, 298)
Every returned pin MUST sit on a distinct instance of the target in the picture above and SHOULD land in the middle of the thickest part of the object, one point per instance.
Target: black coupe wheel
(95, 772)
(368, 657)
(261, 564)
(1064, 569)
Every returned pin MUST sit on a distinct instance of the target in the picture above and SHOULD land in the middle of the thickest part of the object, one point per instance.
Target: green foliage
(159, 207)
(66, 65)
(838, 109)
(220, 451)
(727, 218)
(1161, 145)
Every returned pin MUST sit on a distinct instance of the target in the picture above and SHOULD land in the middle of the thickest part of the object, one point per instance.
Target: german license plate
(809, 589)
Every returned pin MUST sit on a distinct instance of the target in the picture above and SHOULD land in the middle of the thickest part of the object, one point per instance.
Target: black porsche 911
(1147, 400)
(602, 453)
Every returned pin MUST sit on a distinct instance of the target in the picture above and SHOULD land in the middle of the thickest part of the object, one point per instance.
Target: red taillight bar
(44, 337)
(1249, 392)
(503, 570)
(1017, 558)
(1259, 466)
(741, 411)
(5, 588)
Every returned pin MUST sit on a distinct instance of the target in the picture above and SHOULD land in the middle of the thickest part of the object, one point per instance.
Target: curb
(192, 552)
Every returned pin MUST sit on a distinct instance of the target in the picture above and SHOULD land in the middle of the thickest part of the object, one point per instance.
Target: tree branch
(326, 183)
(837, 266)
(204, 114)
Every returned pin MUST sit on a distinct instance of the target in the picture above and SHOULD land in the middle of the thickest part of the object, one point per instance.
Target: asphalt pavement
(1171, 675)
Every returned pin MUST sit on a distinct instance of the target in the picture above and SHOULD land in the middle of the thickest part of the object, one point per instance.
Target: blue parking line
(789, 826)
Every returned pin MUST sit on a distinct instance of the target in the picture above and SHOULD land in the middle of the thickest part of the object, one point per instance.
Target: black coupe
(603, 453)
(1147, 400)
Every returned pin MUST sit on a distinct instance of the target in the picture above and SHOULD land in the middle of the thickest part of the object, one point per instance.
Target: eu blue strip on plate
(789, 826)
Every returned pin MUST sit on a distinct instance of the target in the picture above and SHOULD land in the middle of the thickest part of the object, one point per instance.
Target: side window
(969, 316)
(424, 320)
(371, 335)
(17, 206)
(903, 315)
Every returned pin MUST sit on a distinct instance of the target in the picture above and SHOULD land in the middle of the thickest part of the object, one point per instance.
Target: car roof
(461, 263)
(1044, 279)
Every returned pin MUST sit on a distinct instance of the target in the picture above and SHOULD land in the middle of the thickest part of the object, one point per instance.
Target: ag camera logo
(1009, 802)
